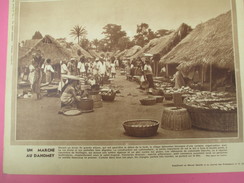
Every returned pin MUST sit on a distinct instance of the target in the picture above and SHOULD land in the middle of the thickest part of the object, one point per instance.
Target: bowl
(148, 101)
(141, 128)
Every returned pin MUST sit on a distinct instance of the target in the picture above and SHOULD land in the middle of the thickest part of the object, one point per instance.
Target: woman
(149, 75)
(48, 71)
(69, 97)
(178, 79)
(81, 67)
(31, 74)
(36, 87)
(113, 69)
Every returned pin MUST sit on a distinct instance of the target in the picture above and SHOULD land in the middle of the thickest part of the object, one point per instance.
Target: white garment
(81, 67)
(148, 69)
(48, 68)
(64, 69)
(31, 74)
(101, 68)
(113, 70)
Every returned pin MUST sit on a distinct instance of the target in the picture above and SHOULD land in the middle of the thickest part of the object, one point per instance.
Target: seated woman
(69, 97)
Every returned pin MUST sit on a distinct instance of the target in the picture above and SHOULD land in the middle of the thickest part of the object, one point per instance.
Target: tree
(124, 43)
(78, 32)
(85, 44)
(112, 34)
(144, 34)
(37, 35)
(95, 42)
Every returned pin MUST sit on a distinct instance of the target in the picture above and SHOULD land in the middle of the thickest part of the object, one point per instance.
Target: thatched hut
(77, 51)
(48, 47)
(208, 49)
(132, 51)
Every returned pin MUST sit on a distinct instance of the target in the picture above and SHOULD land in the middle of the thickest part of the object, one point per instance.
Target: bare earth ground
(39, 119)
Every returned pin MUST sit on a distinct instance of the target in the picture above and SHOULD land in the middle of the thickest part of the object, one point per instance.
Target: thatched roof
(48, 47)
(94, 54)
(73, 49)
(132, 51)
(209, 42)
(25, 46)
(122, 53)
(169, 42)
(166, 43)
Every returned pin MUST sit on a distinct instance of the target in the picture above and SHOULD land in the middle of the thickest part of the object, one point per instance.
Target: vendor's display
(148, 101)
(108, 95)
(174, 118)
(213, 110)
(141, 128)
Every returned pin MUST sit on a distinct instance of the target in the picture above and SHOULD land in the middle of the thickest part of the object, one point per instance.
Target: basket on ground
(213, 119)
(141, 128)
(148, 101)
(108, 97)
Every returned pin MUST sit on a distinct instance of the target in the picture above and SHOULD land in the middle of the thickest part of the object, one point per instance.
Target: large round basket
(108, 98)
(141, 128)
(175, 118)
(213, 119)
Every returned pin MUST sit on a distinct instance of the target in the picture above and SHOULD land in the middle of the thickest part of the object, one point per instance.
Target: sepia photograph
(125, 70)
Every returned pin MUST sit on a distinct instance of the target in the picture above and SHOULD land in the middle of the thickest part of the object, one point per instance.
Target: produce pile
(107, 92)
(182, 90)
(222, 101)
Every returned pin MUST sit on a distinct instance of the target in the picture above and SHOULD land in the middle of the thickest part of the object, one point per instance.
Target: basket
(108, 98)
(148, 101)
(85, 104)
(213, 119)
(168, 96)
(141, 128)
(159, 99)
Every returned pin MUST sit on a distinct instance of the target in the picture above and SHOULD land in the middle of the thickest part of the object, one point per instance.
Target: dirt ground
(39, 119)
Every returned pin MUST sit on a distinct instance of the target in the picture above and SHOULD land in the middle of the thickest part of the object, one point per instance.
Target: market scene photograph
(126, 70)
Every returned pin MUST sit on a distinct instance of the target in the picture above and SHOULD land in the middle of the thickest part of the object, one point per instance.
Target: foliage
(85, 44)
(144, 34)
(112, 34)
(78, 32)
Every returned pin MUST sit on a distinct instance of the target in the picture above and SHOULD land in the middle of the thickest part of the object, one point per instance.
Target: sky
(58, 17)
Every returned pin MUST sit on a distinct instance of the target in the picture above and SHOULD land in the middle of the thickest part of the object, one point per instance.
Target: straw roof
(73, 49)
(132, 51)
(94, 54)
(167, 43)
(48, 47)
(26, 46)
(209, 42)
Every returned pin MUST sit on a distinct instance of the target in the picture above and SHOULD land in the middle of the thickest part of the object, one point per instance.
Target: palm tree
(77, 32)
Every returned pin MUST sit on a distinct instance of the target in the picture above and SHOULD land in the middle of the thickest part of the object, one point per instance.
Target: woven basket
(141, 128)
(109, 98)
(175, 118)
(213, 119)
(168, 96)
(148, 101)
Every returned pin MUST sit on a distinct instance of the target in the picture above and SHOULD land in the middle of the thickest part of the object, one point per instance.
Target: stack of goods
(185, 91)
(108, 94)
(213, 111)
(222, 101)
